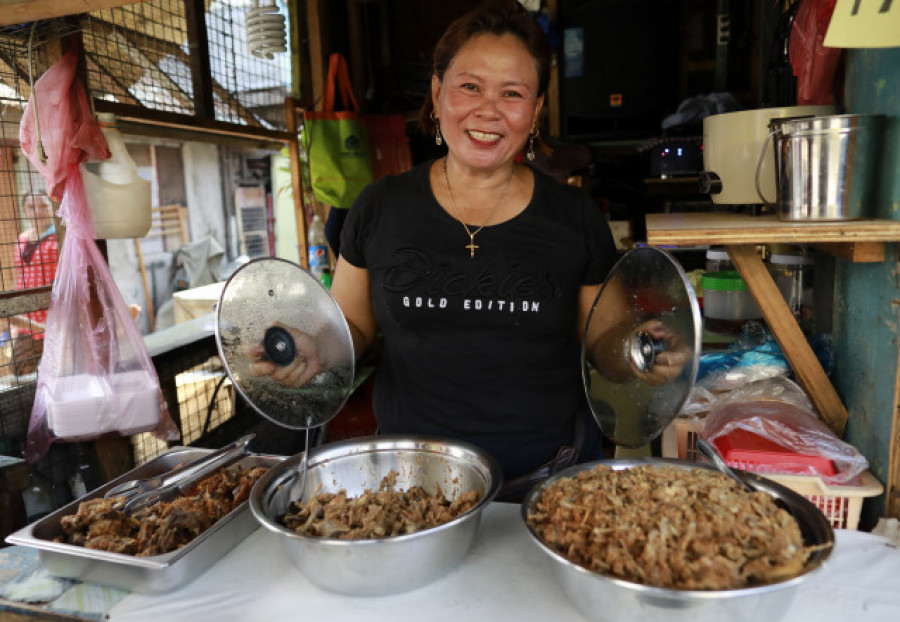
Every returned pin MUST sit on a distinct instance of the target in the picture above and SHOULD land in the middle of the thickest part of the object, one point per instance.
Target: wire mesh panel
(146, 55)
(125, 47)
(199, 395)
(248, 82)
(29, 246)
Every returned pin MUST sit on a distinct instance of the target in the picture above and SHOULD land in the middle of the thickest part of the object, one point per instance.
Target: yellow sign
(615, 100)
(864, 24)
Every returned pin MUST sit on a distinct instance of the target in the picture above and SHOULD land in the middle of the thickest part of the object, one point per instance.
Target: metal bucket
(825, 166)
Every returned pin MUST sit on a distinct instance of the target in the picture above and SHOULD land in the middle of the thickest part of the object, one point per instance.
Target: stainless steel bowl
(602, 598)
(388, 565)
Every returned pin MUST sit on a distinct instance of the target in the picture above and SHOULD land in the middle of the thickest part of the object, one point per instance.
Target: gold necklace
(471, 245)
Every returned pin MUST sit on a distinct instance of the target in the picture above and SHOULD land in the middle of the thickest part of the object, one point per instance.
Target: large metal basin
(602, 598)
(388, 565)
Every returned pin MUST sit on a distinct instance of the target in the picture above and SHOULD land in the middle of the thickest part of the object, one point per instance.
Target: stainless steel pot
(825, 166)
(602, 598)
(732, 143)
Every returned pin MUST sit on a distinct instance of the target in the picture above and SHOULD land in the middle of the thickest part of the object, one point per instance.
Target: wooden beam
(857, 252)
(162, 118)
(316, 24)
(201, 68)
(551, 102)
(784, 327)
(21, 11)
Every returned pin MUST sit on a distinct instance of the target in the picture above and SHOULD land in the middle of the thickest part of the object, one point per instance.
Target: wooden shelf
(22, 11)
(858, 240)
(692, 228)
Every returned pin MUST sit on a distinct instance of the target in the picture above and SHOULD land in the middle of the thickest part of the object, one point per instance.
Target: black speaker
(620, 66)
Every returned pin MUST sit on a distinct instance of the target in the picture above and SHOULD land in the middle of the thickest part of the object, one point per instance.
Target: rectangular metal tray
(145, 575)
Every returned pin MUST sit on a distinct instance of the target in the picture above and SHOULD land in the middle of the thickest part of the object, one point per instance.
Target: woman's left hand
(671, 358)
(306, 363)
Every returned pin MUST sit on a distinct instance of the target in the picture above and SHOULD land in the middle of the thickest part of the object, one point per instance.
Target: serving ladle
(709, 452)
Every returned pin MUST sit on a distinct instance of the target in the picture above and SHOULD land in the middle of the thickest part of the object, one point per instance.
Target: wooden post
(292, 111)
(787, 332)
(892, 492)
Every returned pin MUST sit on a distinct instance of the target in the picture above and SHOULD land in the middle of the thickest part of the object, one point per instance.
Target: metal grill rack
(23, 57)
(161, 56)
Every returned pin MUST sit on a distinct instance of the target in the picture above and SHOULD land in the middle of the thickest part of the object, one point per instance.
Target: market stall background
(200, 147)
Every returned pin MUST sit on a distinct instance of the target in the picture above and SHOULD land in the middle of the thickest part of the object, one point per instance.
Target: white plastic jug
(119, 199)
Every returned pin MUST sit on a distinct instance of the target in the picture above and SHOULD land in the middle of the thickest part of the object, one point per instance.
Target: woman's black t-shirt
(482, 349)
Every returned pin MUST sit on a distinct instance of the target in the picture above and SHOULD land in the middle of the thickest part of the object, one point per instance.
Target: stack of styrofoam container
(83, 405)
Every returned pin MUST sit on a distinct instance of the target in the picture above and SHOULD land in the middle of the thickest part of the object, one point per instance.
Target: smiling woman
(476, 271)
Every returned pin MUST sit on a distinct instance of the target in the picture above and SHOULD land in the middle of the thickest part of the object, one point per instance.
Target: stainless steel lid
(641, 346)
(285, 343)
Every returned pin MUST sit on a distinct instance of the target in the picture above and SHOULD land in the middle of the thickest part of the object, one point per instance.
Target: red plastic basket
(750, 452)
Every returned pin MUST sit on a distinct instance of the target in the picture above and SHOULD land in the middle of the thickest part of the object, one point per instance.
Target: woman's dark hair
(495, 17)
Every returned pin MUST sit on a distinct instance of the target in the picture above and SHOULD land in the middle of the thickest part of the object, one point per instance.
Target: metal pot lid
(641, 346)
(285, 343)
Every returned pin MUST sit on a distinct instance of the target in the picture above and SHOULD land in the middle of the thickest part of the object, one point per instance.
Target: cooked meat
(669, 527)
(100, 523)
(379, 514)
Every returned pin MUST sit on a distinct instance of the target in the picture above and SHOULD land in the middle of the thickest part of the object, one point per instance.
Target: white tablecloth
(504, 577)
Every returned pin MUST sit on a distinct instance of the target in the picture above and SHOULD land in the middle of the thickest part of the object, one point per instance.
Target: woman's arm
(350, 288)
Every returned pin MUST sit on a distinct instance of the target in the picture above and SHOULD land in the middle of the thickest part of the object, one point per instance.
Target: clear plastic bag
(777, 409)
(96, 376)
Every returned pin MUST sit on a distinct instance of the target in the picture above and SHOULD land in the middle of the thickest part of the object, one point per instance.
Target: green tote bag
(336, 142)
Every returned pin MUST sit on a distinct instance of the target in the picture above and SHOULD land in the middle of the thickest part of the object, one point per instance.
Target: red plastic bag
(814, 65)
(96, 376)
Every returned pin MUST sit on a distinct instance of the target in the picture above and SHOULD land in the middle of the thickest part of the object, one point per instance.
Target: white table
(504, 577)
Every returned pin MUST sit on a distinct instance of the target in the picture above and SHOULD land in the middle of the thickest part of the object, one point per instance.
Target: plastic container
(317, 251)
(793, 274)
(841, 504)
(137, 402)
(119, 199)
(84, 406)
(727, 305)
(76, 406)
(718, 260)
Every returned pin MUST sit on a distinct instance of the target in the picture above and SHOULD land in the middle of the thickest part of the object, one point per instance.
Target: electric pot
(732, 144)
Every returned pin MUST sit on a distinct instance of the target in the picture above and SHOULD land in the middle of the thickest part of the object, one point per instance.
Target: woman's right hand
(306, 363)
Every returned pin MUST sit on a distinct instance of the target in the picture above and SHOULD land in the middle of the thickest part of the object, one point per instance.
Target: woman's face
(39, 210)
(487, 103)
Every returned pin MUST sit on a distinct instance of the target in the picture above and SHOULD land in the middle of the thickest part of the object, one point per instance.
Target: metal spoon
(709, 452)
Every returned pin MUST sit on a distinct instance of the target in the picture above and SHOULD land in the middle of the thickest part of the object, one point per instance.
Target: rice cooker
(733, 149)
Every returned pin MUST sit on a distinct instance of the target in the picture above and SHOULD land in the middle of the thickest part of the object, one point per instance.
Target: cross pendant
(471, 245)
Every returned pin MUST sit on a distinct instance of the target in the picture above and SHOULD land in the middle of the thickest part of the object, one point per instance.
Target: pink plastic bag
(96, 376)
(791, 427)
(814, 64)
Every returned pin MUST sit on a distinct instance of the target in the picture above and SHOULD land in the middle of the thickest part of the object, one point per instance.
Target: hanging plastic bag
(814, 65)
(96, 376)
(778, 410)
